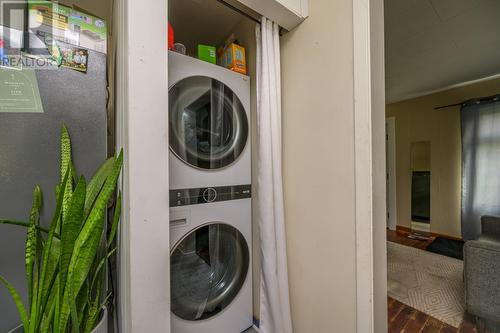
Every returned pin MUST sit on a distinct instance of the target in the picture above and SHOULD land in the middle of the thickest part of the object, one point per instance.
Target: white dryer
(209, 124)
(210, 263)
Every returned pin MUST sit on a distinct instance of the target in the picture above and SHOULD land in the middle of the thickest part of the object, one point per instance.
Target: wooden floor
(402, 318)
(401, 237)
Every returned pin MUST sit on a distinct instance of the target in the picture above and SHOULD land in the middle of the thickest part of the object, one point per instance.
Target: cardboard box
(207, 53)
(233, 57)
(68, 25)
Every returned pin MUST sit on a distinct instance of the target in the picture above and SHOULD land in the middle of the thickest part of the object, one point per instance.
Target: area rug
(428, 282)
(447, 247)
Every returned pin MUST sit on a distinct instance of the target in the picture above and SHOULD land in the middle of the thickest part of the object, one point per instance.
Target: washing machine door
(208, 268)
(208, 123)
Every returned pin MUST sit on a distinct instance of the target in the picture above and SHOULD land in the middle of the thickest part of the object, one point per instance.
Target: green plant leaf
(66, 164)
(116, 219)
(51, 272)
(82, 301)
(96, 184)
(57, 310)
(26, 224)
(63, 267)
(34, 307)
(48, 315)
(48, 319)
(75, 322)
(100, 266)
(46, 291)
(91, 317)
(32, 241)
(46, 253)
(95, 312)
(87, 242)
(70, 229)
(17, 300)
(74, 176)
(83, 254)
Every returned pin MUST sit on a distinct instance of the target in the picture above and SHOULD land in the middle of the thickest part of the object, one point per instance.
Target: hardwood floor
(401, 237)
(402, 318)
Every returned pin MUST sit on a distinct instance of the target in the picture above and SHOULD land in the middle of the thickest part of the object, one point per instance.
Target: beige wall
(416, 120)
(318, 142)
(420, 155)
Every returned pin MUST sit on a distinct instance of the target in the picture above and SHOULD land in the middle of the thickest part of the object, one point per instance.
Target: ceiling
(201, 22)
(434, 44)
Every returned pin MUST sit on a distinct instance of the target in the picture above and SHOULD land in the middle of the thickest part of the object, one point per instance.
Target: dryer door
(208, 123)
(208, 268)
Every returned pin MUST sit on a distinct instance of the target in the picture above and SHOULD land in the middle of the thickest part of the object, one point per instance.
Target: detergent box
(233, 58)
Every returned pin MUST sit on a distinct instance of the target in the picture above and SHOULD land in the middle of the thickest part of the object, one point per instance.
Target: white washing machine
(209, 124)
(210, 198)
(210, 263)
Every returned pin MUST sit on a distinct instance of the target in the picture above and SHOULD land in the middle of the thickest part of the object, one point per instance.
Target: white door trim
(142, 131)
(363, 166)
(369, 142)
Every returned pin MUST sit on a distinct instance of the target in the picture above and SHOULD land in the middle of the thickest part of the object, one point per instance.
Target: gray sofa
(482, 275)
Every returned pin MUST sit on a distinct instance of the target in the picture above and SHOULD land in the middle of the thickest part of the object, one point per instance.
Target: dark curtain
(480, 163)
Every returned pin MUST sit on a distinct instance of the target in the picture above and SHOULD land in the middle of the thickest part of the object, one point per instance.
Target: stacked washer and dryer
(210, 198)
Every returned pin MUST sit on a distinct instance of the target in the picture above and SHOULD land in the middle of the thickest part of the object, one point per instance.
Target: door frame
(142, 132)
(370, 172)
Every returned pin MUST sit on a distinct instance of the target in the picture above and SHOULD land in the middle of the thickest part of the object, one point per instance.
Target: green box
(207, 53)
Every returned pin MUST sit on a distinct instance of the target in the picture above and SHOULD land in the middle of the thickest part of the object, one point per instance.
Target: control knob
(209, 194)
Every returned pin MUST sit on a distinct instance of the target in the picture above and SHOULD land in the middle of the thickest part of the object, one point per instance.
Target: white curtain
(274, 298)
(480, 163)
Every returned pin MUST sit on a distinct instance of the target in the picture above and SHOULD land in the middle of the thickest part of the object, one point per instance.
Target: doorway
(436, 59)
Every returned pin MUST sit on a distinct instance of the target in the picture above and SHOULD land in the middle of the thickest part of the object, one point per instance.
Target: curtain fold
(274, 301)
(480, 164)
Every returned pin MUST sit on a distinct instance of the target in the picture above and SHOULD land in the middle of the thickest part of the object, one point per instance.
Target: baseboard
(402, 229)
(405, 231)
(435, 234)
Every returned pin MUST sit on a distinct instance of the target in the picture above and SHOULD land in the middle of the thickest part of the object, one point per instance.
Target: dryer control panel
(195, 196)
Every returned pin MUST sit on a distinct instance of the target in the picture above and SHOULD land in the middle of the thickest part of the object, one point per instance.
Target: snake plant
(65, 263)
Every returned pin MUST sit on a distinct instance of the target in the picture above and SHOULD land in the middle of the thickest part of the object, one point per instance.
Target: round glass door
(208, 124)
(208, 268)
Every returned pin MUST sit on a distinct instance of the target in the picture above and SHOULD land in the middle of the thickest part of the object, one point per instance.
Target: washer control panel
(195, 196)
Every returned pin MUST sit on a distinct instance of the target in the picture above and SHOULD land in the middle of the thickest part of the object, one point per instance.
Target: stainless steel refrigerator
(29, 155)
